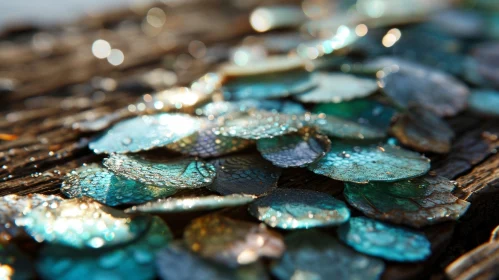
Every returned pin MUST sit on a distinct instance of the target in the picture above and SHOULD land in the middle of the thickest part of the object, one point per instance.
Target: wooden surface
(39, 145)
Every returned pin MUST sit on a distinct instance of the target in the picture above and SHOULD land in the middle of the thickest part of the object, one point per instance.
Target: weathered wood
(483, 180)
(480, 263)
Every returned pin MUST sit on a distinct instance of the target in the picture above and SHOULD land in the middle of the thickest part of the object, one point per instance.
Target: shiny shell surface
(296, 149)
(187, 204)
(82, 223)
(145, 133)
(244, 174)
(414, 202)
(134, 260)
(312, 254)
(178, 174)
(299, 208)
(99, 183)
(389, 242)
(362, 164)
(232, 242)
(338, 87)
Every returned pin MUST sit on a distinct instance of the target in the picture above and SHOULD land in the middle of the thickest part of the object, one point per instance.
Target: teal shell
(378, 239)
(145, 133)
(362, 164)
(104, 186)
(130, 261)
(414, 202)
(312, 254)
(177, 174)
(299, 208)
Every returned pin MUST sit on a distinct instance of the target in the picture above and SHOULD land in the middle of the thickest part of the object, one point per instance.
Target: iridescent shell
(15, 206)
(485, 102)
(378, 239)
(99, 183)
(177, 262)
(299, 208)
(294, 150)
(145, 133)
(338, 87)
(421, 130)
(362, 164)
(415, 202)
(312, 254)
(232, 242)
(365, 112)
(221, 108)
(268, 86)
(206, 143)
(131, 261)
(80, 223)
(244, 174)
(180, 173)
(186, 204)
(345, 129)
(425, 87)
(262, 124)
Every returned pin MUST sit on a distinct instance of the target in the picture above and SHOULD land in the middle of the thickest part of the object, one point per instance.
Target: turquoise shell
(299, 208)
(346, 129)
(338, 87)
(130, 261)
(145, 133)
(222, 108)
(107, 188)
(362, 111)
(268, 86)
(362, 164)
(177, 174)
(484, 102)
(16, 206)
(414, 202)
(82, 223)
(312, 254)
(378, 239)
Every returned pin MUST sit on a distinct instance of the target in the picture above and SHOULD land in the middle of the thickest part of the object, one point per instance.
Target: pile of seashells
(301, 103)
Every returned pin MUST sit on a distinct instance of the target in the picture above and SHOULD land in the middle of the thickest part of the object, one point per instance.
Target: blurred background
(47, 12)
